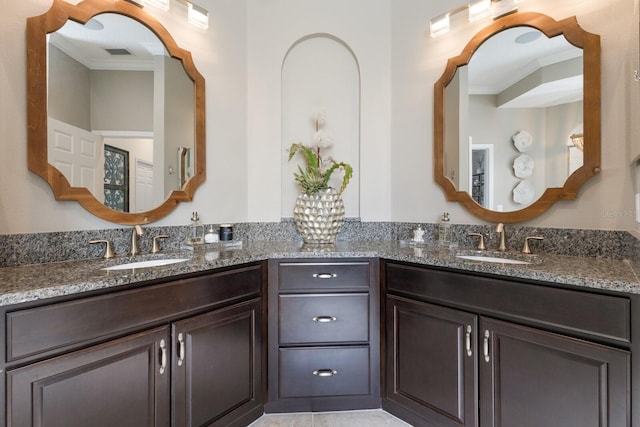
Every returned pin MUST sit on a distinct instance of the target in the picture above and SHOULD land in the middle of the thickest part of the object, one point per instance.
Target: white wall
(605, 202)
(26, 201)
(320, 77)
(274, 26)
(241, 58)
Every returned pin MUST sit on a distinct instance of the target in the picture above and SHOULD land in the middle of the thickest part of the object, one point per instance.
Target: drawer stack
(323, 348)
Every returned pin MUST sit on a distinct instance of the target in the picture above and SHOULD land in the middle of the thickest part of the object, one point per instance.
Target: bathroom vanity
(220, 338)
(465, 350)
(431, 338)
(185, 351)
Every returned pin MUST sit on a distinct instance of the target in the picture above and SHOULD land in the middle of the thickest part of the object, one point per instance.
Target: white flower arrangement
(318, 170)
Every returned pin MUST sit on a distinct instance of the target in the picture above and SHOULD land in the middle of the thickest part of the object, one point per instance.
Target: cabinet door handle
(325, 275)
(486, 346)
(325, 372)
(181, 349)
(324, 319)
(467, 341)
(163, 356)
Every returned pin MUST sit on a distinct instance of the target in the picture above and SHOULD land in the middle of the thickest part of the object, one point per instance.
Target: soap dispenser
(444, 230)
(418, 235)
(211, 236)
(197, 229)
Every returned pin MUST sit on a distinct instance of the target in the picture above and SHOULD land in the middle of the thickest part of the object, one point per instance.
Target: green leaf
(310, 157)
(313, 179)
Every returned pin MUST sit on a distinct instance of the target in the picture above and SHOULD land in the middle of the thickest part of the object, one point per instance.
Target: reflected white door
(144, 186)
(77, 154)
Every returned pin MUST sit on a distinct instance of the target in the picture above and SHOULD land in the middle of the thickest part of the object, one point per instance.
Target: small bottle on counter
(211, 236)
(226, 232)
(444, 230)
(418, 235)
(197, 229)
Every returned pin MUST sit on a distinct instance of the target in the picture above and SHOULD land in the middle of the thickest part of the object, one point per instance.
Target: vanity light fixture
(160, 4)
(439, 25)
(477, 9)
(198, 16)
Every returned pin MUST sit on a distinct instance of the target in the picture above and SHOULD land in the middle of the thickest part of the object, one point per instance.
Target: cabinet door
(217, 368)
(532, 378)
(431, 363)
(119, 383)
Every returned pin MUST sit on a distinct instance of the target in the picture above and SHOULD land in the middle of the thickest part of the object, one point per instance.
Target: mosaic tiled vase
(319, 217)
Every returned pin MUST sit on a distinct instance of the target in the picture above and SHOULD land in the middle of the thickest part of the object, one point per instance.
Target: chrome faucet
(137, 231)
(502, 247)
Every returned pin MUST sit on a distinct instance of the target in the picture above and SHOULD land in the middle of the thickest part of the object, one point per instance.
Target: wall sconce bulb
(198, 16)
(160, 4)
(439, 25)
(479, 9)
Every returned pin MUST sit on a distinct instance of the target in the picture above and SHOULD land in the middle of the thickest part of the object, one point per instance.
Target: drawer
(60, 326)
(325, 371)
(321, 276)
(323, 318)
(582, 313)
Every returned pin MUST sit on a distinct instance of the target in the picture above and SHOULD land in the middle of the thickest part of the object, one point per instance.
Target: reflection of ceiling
(525, 74)
(88, 46)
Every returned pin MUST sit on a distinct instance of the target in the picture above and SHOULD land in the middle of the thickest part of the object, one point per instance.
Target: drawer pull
(325, 275)
(163, 356)
(486, 346)
(468, 341)
(181, 349)
(324, 319)
(325, 372)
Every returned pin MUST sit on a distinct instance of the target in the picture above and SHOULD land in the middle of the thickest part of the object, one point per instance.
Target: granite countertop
(41, 281)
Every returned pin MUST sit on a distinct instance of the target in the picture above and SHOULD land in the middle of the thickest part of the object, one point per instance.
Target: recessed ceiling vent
(118, 51)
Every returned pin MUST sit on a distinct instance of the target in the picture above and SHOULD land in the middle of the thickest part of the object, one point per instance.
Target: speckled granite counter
(40, 281)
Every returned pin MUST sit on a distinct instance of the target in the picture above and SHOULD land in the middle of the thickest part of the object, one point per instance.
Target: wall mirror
(517, 117)
(116, 111)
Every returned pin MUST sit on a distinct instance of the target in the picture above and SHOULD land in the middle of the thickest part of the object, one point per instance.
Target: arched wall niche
(321, 72)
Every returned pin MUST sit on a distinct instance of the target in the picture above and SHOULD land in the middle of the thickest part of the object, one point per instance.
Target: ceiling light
(439, 25)
(479, 9)
(198, 16)
(160, 4)
(528, 37)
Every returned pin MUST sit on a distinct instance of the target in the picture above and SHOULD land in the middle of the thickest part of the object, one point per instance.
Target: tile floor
(368, 418)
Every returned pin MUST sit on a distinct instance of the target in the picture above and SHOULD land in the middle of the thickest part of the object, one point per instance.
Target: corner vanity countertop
(41, 281)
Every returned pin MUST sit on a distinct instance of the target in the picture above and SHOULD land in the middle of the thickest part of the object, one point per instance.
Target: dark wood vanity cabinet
(116, 383)
(189, 354)
(478, 351)
(323, 335)
(530, 377)
(216, 371)
(429, 371)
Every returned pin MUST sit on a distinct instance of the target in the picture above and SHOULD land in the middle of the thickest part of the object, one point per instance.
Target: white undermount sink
(492, 259)
(146, 264)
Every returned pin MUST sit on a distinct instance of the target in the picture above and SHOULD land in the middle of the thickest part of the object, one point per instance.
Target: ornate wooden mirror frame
(37, 29)
(590, 43)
